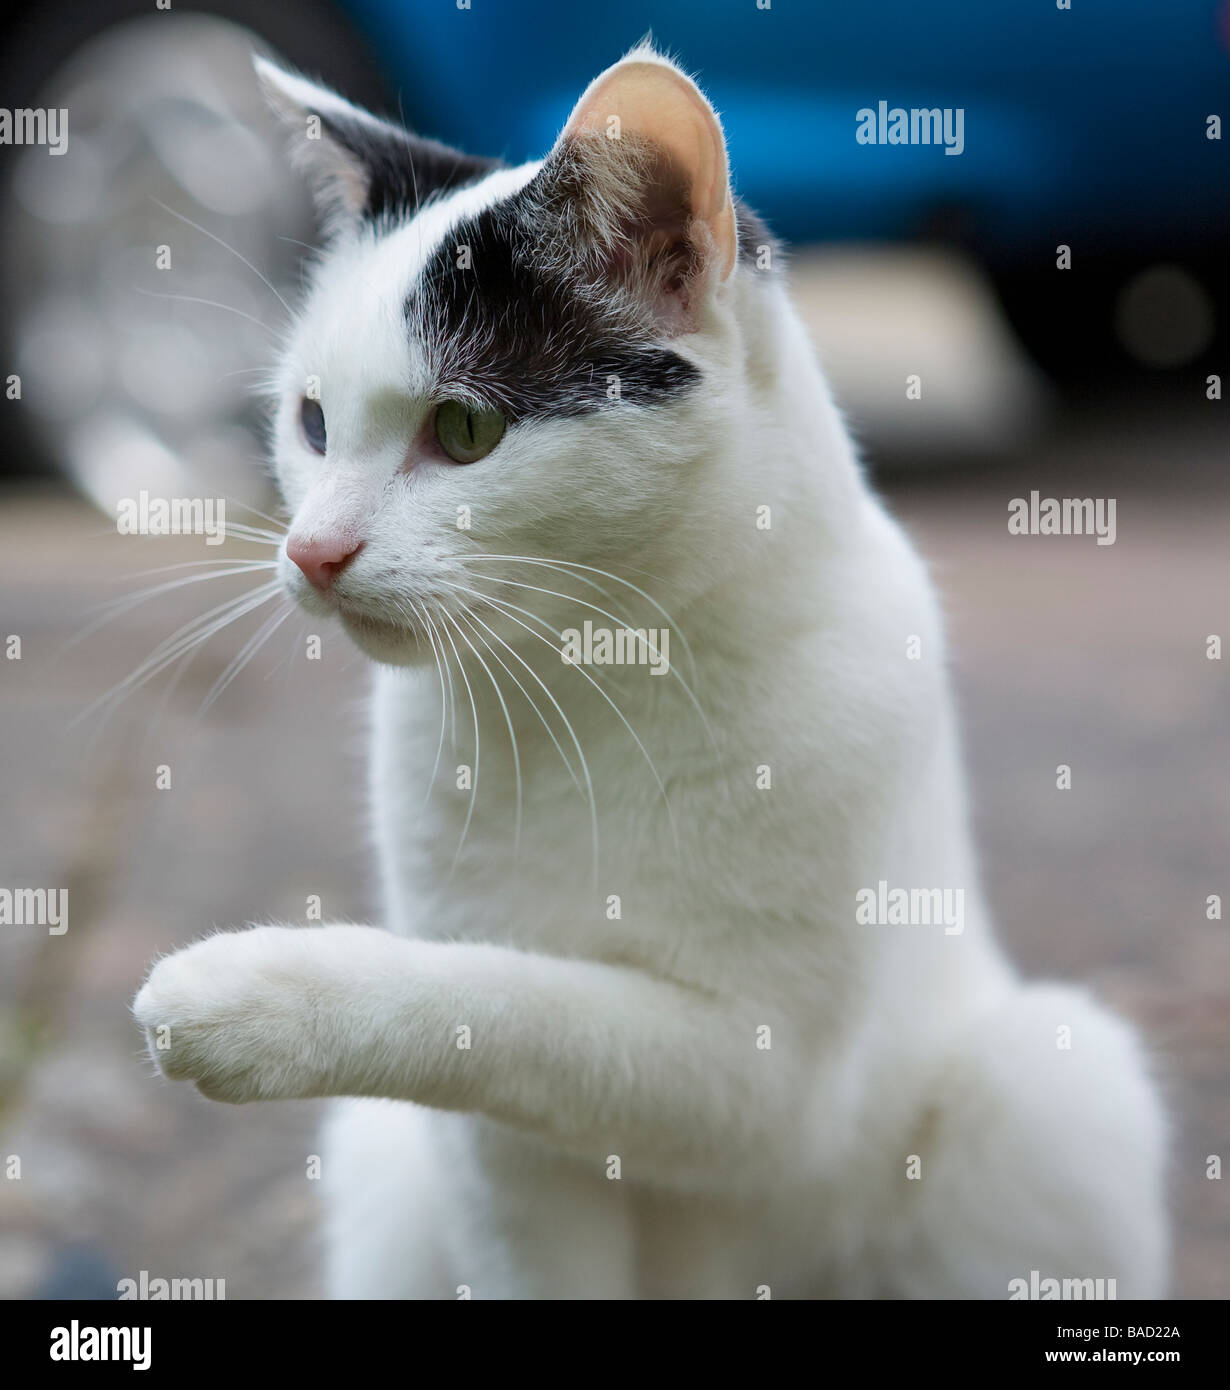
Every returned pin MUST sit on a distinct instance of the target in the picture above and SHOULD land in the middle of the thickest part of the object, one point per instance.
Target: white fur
(591, 1038)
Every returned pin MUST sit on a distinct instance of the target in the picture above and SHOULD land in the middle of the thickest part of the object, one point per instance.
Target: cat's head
(526, 362)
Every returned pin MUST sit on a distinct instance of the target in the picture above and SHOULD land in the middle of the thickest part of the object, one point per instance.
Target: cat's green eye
(467, 435)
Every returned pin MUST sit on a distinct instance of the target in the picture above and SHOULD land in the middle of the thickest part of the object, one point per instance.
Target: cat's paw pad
(235, 1014)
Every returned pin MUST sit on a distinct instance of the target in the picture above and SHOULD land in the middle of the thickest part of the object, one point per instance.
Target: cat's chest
(571, 879)
(646, 854)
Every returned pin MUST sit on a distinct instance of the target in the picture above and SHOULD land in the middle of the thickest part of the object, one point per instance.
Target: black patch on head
(539, 303)
(523, 329)
(402, 170)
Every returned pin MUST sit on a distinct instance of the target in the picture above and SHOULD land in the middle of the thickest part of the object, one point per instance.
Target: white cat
(638, 1023)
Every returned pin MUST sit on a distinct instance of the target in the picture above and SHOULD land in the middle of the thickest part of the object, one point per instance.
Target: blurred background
(1087, 128)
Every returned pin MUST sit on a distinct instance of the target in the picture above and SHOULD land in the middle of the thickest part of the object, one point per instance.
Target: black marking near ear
(755, 239)
(402, 171)
(511, 312)
(361, 166)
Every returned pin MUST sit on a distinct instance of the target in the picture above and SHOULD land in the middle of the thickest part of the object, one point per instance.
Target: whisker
(479, 554)
(542, 622)
(499, 695)
(570, 598)
(452, 702)
(244, 655)
(584, 603)
(254, 535)
(192, 635)
(226, 246)
(572, 564)
(288, 661)
(470, 619)
(234, 565)
(164, 699)
(474, 711)
(589, 785)
(620, 715)
(432, 637)
(585, 674)
(264, 516)
(212, 304)
(116, 607)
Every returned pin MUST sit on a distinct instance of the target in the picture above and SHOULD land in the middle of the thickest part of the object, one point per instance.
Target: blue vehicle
(1089, 127)
(1090, 121)
(1095, 127)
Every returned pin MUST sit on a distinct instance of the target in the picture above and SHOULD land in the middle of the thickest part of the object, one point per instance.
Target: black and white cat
(650, 1014)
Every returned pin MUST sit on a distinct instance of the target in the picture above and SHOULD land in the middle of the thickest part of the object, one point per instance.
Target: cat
(630, 1028)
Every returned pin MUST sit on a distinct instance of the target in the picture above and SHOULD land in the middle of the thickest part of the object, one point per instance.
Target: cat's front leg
(595, 1057)
(270, 1013)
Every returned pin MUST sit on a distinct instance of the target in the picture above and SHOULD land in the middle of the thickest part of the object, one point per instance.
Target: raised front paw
(240, 1014)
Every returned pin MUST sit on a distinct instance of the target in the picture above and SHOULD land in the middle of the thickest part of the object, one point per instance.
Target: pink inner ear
(655, 250)
(660, 265)
(657, 104)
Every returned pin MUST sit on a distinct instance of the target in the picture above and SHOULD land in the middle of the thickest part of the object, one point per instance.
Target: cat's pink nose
(323, 557)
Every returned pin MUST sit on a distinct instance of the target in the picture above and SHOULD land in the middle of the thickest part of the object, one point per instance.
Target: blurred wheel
(1147, 320)
(129, 373)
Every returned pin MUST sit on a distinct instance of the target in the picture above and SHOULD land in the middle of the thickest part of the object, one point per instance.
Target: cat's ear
(359, 165)
(649, 161)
